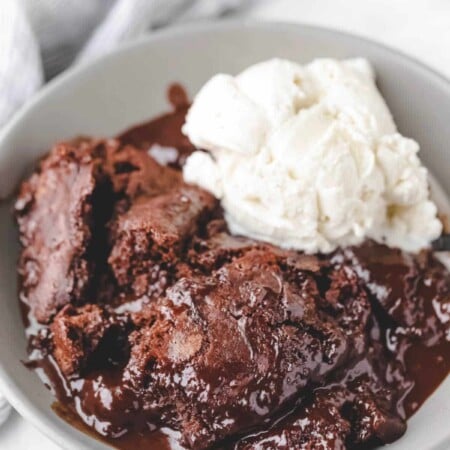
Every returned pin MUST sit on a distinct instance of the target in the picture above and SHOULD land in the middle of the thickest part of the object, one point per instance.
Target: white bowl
(129, 86)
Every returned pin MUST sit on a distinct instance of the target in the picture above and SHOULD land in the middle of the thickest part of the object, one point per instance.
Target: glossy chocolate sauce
(342, 348)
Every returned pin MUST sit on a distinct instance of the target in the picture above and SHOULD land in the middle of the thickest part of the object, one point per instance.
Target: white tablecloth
(418, 27)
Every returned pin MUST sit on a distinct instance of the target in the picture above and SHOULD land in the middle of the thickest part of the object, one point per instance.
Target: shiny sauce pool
(424, 356)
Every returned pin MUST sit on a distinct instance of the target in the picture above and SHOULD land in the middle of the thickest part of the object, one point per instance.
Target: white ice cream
(308, 157)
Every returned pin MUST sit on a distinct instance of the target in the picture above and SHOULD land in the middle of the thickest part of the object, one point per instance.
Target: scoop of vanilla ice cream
(308, 157)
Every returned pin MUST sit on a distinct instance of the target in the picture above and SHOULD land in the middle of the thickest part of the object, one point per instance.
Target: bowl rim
(67, 438)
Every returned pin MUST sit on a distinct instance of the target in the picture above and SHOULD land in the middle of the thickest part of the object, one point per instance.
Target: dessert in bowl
(258, 278)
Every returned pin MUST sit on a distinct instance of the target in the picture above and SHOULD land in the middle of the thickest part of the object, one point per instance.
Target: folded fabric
(40, 38)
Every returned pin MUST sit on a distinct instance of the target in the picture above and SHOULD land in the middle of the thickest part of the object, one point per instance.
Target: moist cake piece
(223, 354)
(151, 236)
(133, 173)
(63, 209)
(54, 212)
(76, 334)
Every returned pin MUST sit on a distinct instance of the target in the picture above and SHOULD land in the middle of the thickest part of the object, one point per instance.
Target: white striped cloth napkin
(40, 38)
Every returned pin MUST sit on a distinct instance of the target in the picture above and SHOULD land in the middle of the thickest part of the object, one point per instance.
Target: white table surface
(418, 27)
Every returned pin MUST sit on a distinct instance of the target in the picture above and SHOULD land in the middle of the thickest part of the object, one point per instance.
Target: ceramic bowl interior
(129, 86)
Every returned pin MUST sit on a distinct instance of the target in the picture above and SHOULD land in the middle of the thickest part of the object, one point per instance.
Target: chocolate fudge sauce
(153, 325)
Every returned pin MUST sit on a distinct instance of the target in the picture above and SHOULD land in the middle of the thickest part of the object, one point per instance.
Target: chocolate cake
(152, 316)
